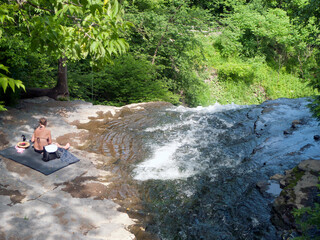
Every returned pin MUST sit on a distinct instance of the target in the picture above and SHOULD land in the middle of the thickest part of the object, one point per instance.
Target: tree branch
(72, 3)
(49, 10)
(35, 6)
(28, 24)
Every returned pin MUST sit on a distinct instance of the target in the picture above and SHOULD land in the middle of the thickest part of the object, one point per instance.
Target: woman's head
(43, 121)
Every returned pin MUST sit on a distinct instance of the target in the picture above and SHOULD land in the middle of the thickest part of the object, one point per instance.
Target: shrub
(126, 80)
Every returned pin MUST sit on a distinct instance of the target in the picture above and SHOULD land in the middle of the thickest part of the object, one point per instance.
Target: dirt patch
(77, 140)
(63, 221)
(15, 195)
(3, 140)
(87, 228)
(93, 189)
(2, 235)
(78, 188)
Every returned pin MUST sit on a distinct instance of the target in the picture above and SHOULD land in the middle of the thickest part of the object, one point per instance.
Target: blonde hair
(43, 121)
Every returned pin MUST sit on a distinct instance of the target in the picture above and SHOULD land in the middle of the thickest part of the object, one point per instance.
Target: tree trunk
(59, 91)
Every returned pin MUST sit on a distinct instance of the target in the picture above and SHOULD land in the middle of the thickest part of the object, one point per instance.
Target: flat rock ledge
(70, 203)
(299, 189)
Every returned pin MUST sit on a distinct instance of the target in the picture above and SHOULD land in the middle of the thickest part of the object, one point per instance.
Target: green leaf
(19, 84)
(78, 49)
(115, 9)
(12, 84)
(4, 83)
(2, 108)
(94, 46)
(2, 67)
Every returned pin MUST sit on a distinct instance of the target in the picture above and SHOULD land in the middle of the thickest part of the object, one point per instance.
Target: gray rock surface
(299, 190)
(71, 203)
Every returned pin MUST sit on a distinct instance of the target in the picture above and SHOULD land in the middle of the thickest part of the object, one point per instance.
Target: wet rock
(305, 147)
(262, 186)
(287, 132)
(37, 100)
(3, 140)
(269, 188)
(267, 110)
(277, 177)
(299, 190)
(316, 137)
(295, 123)
(140, 233)
(310, 166)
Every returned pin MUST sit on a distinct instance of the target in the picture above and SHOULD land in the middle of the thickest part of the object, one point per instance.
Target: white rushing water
(190, 140)
(162, 165)
(209, 161)
(178, 157)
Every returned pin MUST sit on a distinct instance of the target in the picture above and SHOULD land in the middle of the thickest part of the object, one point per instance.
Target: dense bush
(126, 80)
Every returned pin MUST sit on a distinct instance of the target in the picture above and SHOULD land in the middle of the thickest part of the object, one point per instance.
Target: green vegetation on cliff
(190, 52)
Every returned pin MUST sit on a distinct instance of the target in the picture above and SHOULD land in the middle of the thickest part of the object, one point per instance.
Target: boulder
(299, 189)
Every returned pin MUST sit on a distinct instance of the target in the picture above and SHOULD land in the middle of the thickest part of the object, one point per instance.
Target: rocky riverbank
(91, 199)
(72, 203)
(299, 189)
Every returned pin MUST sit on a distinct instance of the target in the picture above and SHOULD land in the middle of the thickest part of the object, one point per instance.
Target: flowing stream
(195, 171)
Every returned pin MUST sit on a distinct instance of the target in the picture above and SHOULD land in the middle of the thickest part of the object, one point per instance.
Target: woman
(42, 137)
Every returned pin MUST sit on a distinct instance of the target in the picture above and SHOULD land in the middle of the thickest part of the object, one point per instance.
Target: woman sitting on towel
(42, 137)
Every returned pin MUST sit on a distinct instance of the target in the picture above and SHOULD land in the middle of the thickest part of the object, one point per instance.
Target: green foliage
(126, 80)
(72, 29)
(32, 68)
(194, 52)
(167, 34)
(315, 107)
(195, 91)
(260, 54)
(252, 32)
(218, 8)
(76, 30)
(305, 16)
(5, 81)
(265, 84)
(244, 80)
(2, 108)
(235, 71)
(308, 220)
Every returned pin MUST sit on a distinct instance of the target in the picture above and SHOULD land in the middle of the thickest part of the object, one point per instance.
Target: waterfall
(197, 168)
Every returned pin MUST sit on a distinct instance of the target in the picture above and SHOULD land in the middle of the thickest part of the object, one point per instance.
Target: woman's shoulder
(42, 129)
